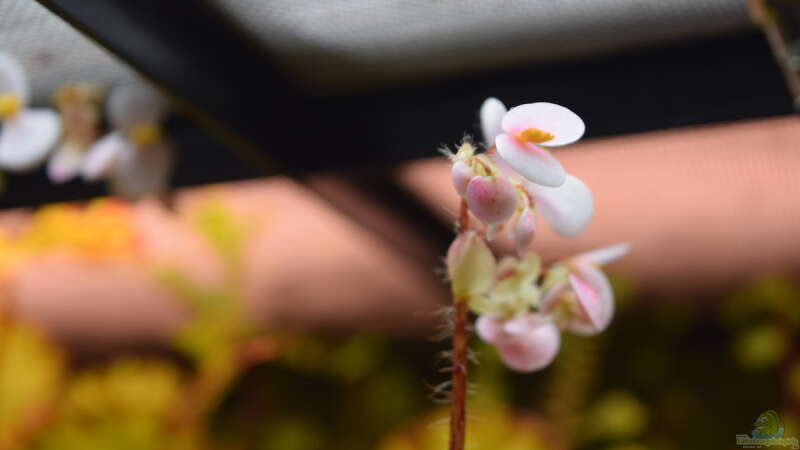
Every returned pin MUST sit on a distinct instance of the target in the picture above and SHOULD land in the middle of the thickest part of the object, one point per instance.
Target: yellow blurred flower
(101, 229)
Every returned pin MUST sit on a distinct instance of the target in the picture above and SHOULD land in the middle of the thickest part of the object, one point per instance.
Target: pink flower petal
(489, 327)
(604, 255)
(26, 139)
(64, 164)
(12, 78)
(461, 174)
(101, 157)
(531, 349)
(551, 298)
(530, 161)
(595, 297)
(135, 104)
(524, 230)
(492, 112)
(557, 120)
(567, 208)
(493, 200)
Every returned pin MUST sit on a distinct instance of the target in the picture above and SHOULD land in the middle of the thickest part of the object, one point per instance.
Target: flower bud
(461, 174)
(471, 266)
(491, 199)
(524, 230)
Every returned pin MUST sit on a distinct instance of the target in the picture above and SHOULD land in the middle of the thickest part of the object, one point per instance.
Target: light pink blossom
(526, 342)
(580, 295)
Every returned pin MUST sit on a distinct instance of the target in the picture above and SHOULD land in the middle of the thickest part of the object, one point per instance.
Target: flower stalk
(458, 407)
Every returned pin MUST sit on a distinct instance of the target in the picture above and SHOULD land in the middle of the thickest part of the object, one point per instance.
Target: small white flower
(564, 201)
(135, 158)
(27, 134)
(518, 134)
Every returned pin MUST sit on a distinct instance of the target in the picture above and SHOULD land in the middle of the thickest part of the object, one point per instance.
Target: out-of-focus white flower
(578, 294)
(135, 157)
(27, 134)
(79, 105)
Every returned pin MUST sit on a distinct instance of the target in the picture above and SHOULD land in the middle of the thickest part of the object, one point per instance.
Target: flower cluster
(523, 307)
(134, 156)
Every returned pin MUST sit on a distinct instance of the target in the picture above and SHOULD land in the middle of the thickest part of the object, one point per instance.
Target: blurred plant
(490, 429)
(125, 405)
(31, 372)
(79, 105)
(522, 309)
(136, 157)
(218, 337)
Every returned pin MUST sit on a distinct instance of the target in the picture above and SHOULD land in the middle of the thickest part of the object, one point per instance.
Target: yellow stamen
(535, 135)
(10, 105)
(145, 134)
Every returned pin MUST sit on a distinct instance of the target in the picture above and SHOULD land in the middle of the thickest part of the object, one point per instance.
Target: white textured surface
(53, 52)
(352, 41)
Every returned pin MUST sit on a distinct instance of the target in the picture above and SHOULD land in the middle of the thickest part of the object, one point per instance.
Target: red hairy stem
(463, 218)
(458, 407)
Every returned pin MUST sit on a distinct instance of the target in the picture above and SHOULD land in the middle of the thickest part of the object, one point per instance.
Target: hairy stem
(458, 410)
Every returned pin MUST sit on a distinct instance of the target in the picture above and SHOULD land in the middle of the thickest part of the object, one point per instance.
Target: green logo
(767, 432)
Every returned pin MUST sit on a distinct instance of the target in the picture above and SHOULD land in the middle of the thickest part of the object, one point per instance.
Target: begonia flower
(79, 106)
(27, 134)
(136, 158)
(521, 134)
(567, 208)
(578, 294)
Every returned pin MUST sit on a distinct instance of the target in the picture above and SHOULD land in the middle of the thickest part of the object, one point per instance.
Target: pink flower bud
(524, 230)
(461, 174)
(492, 199)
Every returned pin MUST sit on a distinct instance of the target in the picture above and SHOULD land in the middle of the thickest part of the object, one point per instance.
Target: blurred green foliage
(671, 373)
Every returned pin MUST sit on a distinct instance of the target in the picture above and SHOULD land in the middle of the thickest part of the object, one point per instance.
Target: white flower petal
(567, 208)
(604, 255)
(557, 120)
(139, 173)
(102, 156)
(492, 112)
(135, 104)
(12, 78)
(26, 139)
(534, 163)
(595, 296)
(65, 163)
